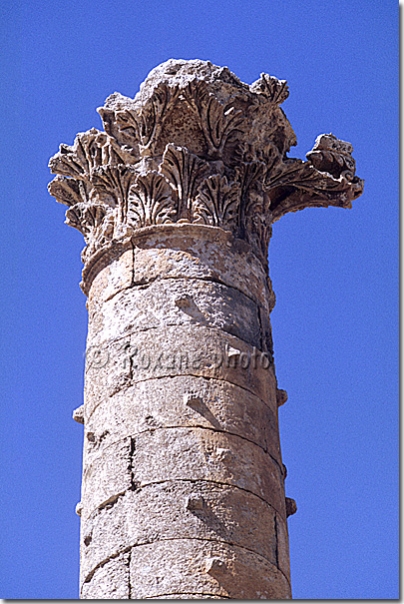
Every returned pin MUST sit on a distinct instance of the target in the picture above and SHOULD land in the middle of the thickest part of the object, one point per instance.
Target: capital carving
(196, 145)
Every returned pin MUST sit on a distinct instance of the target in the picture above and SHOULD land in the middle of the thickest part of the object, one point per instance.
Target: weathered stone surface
(227, 514)
(116, 276)
(111, 581)
(186, 401)
(188, 565)
(193, 252)
(282, 541)
(181, 454)
(188, 597)
(183, 494)
(108, 370)
(172, 302)
(181, 251)
(106, 475)
(176, 350)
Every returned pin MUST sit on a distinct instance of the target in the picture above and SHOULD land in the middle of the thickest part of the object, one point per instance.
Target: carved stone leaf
(184, 171)
(217, 202)
(68, 190)
(269, 155)
(303, 175)
(112, 183)
(90, 150)
(138, 127)
(127, 124)
(332, 155)
(297, 185)
(258, 220)
(219, 121)
(250, 174)
(274, 90)
(150, 201)
(120, 123)
(151, 116)
(85, 217)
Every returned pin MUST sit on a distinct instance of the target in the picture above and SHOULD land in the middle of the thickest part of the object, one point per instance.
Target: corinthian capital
(196, 145)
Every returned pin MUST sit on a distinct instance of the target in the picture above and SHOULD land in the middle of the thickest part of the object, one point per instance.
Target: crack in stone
(130, 467)
(110, 502)
(189, 593)
(94, 513)
(129, 581)
(200, 539)
(276, 541)
(161, 428)
(104, 562)
(133, 263)
(201, 427)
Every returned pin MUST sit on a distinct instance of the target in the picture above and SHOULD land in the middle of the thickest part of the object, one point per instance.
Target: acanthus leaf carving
(120, 123)
(68, 191)
(217, 202)
(274, 90)
(85, 218)
(258, 221)
(183, 171)
(197, 145)
(150, 201)
(138, 126)
(219, 121)
(332, 155)
(151, 115)
(111, 184)
(75, 165)
(90, 150)
(294, 184)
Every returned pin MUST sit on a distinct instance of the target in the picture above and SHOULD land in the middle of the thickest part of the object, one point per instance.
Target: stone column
(183, 482)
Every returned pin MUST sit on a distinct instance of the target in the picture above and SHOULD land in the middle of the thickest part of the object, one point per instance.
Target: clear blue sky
(335, 272)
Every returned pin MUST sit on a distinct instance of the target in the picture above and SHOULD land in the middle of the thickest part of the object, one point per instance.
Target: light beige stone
(183, 482)
(186, 401)
(117, 276)
(180, 252)
(110, 581)
(225, 513)
(179, 566)
(161, 305)
(176, 350)
(106, 476)
(181, 454)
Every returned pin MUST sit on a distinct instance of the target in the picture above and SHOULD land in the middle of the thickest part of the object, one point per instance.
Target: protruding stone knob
(195, 502)
(191, 399)
(78, 414)
(291, 507)
(184, 301)
(215, 566)
(281, 397)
